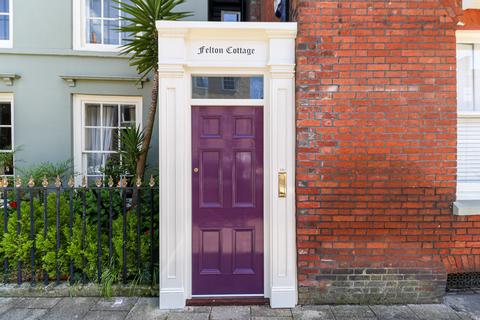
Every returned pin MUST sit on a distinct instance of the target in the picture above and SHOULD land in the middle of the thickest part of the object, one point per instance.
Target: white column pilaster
(282, 150)
(172, 139)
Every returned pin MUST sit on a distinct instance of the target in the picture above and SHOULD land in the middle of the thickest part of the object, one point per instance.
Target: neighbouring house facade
(331, 159)
(386, 157)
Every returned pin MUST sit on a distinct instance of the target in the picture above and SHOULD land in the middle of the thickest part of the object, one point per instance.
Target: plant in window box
(7, 164)
(131, 149)
(139, 20)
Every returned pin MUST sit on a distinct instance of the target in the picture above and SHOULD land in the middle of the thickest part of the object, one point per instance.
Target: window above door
(216, 87)
(96, 24)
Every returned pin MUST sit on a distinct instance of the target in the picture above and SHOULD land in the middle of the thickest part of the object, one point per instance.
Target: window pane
(201, 82)
(94, 163)
(92, 114)
(231, 16)
(5, 138)
(110, 32)
(227, 87)
(110, 140)
(94, 8)
(110, 115)
(125, 35)
(465, 92)
(4, 6)
(4, 27)
(5, 114)
(125, 23)
(92, 140)
(109, 10)
(256, 88)
(94, 31)
(6, 166)
(128, 115)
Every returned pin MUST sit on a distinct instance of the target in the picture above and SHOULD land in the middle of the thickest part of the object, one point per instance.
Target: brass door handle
(282, 184)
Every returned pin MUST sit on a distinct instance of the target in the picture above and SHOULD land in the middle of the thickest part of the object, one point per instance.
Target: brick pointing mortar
(376, 152)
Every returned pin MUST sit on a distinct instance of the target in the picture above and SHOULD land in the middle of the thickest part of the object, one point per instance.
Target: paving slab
(313, 312)
(115, 304)
(271, 318)
(23, 314)
(351, 312)
(467, 306)
(433, 311)
(37, 303)
(193, 309)
(393, 313)
(188, 316)
(266, 311)
(105, 315)
(146, 309)
(75, 308)
(6, 304)
(230, 313)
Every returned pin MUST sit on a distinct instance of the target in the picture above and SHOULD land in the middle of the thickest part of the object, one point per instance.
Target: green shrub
(130, 244)
(17, 247)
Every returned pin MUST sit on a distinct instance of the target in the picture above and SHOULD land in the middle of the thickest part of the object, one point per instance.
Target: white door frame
(271, 54)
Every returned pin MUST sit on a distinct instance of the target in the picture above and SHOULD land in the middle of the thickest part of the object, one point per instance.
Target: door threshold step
(228, 301)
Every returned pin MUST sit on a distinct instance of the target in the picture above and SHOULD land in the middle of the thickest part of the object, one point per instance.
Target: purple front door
(227, 206)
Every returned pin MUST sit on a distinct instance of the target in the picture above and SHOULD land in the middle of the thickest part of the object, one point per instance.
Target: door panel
(211, 183)
(227, 203)
(244, 179)
(210, 252)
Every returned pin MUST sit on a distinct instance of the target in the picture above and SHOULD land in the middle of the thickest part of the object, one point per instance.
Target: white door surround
(226, 49)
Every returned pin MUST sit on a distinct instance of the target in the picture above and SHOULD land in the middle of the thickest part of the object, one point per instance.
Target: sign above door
(226, 44)
(219, 50)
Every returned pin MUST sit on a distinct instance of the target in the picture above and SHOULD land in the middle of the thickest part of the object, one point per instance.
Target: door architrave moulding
(269, 51)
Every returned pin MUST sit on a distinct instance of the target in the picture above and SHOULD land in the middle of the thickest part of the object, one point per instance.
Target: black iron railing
(77, 233)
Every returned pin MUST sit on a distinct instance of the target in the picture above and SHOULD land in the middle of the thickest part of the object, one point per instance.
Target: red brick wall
(376, 147)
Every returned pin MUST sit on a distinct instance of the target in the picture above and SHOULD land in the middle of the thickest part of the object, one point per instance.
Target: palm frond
(140, 17)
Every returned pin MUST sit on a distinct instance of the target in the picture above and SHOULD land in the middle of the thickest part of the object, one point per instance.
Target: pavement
(459, 306)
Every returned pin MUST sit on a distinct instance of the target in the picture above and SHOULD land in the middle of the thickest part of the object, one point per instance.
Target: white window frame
(79, 31)
(470, 4)
(468, 190)
(8, 43)
(79, 101)
(8, 97)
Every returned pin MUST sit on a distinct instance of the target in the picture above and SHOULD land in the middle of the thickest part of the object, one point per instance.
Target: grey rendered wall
(43, 101)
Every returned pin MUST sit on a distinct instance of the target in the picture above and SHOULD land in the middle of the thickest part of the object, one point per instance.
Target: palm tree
(139, 17)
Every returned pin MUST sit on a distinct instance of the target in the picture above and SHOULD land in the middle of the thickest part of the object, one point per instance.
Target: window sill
(98, 48)
(466, 207)
(6, 44)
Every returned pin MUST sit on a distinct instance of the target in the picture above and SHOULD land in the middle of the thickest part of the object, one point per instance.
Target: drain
(459, 281)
